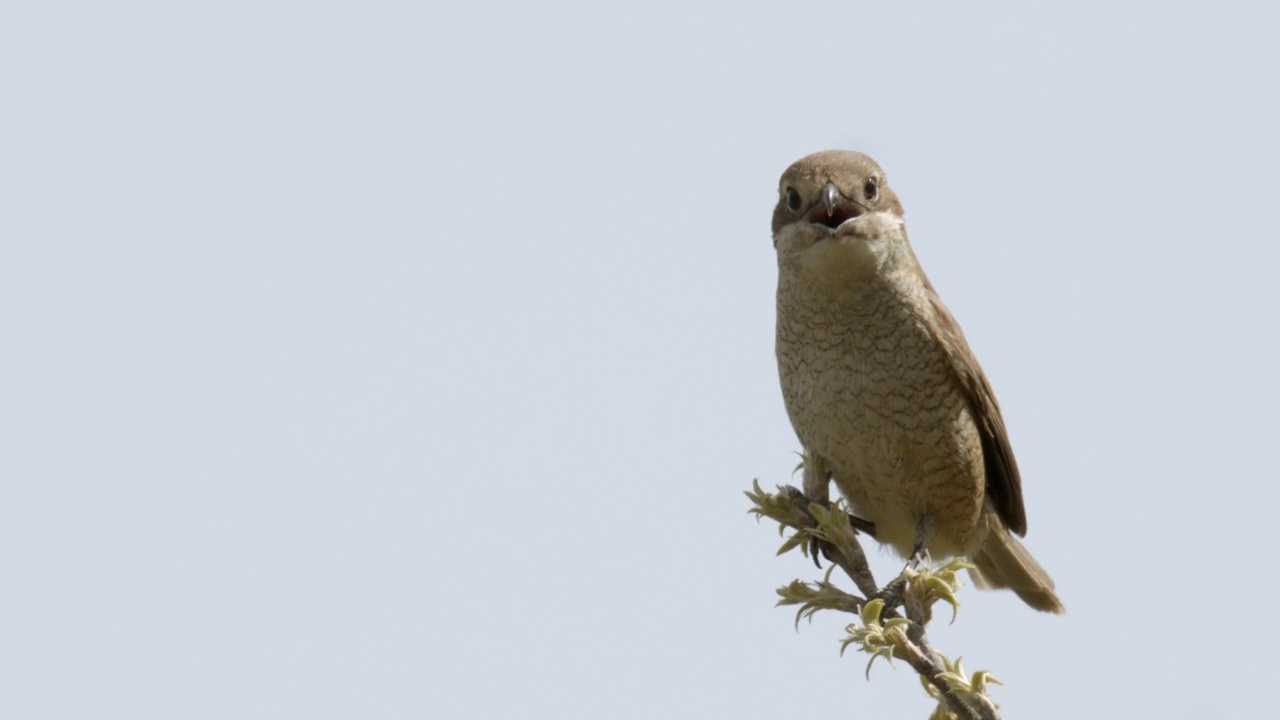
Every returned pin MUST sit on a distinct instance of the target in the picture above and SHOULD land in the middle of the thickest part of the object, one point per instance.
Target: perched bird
(881, 387)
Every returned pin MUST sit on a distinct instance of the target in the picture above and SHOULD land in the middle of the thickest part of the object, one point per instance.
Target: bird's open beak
(834, 208)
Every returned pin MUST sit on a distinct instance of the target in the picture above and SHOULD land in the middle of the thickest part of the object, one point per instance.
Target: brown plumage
(881, 386)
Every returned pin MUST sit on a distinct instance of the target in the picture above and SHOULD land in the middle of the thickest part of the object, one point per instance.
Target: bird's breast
(869, 389)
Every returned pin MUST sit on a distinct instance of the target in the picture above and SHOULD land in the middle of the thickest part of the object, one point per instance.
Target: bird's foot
(819, 548)
(858, 524)
(919, 558)
(891, 594)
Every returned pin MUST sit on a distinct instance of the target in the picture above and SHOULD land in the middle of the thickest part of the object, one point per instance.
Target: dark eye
(794, 202)
(871, 189)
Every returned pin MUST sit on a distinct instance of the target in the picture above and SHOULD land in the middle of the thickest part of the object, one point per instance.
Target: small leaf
(791, 544)
(871, 612)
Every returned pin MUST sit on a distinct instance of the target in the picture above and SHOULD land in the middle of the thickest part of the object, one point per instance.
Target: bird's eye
(871, 189)
(794, 202)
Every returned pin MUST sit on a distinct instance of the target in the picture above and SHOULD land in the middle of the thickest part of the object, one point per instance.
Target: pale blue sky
(404, 360)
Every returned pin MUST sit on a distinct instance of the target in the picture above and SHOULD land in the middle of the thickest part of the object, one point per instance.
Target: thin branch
(826, 528)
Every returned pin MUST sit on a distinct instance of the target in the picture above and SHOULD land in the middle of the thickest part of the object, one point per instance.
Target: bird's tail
(1002, 562)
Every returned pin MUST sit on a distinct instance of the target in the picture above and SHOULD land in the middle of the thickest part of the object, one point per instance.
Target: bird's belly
(898, 436)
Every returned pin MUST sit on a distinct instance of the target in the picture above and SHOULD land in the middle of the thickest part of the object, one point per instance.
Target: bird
(881, 387)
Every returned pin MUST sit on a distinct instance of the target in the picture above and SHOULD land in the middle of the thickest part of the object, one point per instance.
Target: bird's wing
(1004, 486)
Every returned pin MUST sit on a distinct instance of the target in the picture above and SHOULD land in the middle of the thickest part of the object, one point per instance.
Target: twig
(826, 528)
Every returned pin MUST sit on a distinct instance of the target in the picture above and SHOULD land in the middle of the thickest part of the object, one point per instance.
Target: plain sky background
(405, 360)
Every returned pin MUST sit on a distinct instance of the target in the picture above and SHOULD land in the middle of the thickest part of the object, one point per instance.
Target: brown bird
(881, 387)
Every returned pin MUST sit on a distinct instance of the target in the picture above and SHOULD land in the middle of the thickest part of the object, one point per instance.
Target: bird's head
(836, 207)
